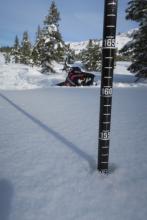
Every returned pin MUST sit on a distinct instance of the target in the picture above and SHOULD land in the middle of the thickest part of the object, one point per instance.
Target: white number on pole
(107, 91)
(105, 135)
(109, 43)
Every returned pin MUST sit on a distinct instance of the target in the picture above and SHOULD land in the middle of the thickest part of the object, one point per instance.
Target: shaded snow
(48, 155)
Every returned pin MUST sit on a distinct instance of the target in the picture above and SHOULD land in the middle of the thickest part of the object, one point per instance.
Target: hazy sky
(80, 19)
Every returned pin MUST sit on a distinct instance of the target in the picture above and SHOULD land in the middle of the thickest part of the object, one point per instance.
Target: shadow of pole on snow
(54, 133)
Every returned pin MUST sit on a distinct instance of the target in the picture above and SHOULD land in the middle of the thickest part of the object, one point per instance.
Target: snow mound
(20, 77)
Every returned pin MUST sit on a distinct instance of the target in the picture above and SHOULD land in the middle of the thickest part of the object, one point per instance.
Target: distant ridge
(121, 40)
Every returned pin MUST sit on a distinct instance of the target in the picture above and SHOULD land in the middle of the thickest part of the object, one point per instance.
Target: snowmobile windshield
(75, 70)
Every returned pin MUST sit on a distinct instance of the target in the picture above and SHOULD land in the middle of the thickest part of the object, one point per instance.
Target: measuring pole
(108, 55)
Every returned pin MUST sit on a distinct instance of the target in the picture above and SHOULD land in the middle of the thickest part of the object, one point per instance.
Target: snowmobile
(76, 77)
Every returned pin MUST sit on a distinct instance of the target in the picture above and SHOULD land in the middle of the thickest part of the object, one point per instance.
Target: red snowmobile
(76, 77)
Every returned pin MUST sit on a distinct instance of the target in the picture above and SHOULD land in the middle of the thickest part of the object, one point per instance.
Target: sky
(80, 19)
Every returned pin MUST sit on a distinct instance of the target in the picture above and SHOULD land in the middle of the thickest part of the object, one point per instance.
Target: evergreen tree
(7, 57)
(38, 33)
(137, 11)
(51, 43)
(25, 57)
(69, 54)
(69, 57)
(36, 51)
(16, 50)
(91, 56)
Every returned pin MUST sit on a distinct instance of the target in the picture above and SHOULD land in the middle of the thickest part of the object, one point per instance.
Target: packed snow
(48, 148)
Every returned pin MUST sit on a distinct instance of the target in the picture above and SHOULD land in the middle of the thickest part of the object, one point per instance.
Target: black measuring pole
(108, 55)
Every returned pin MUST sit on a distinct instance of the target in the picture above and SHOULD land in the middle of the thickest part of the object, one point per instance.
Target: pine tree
(51, 43)
(7, 57)
(69, 57)
(69, 54)
(16, 51)
(36, 51)
(25, 57)
(137, 11)
(38, 33)
(91, 56)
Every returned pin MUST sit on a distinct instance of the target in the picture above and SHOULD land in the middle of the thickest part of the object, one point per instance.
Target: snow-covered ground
(48, 155)
(48, 148)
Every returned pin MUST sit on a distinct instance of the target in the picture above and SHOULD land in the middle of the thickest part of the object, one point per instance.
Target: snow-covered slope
(78, 46)
(121, 40)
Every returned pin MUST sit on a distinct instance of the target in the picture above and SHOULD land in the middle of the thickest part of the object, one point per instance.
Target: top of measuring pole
(110, 18)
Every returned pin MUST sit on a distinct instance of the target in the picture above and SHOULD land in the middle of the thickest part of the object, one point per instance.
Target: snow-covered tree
(25, 57)
(36, 51)
(91, 56)
(16, 51)
(38, 33)
(69, 57)
(137, 11)
(7, 57)
(51, 44)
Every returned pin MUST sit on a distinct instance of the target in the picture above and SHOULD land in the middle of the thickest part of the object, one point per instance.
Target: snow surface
(48, 155)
